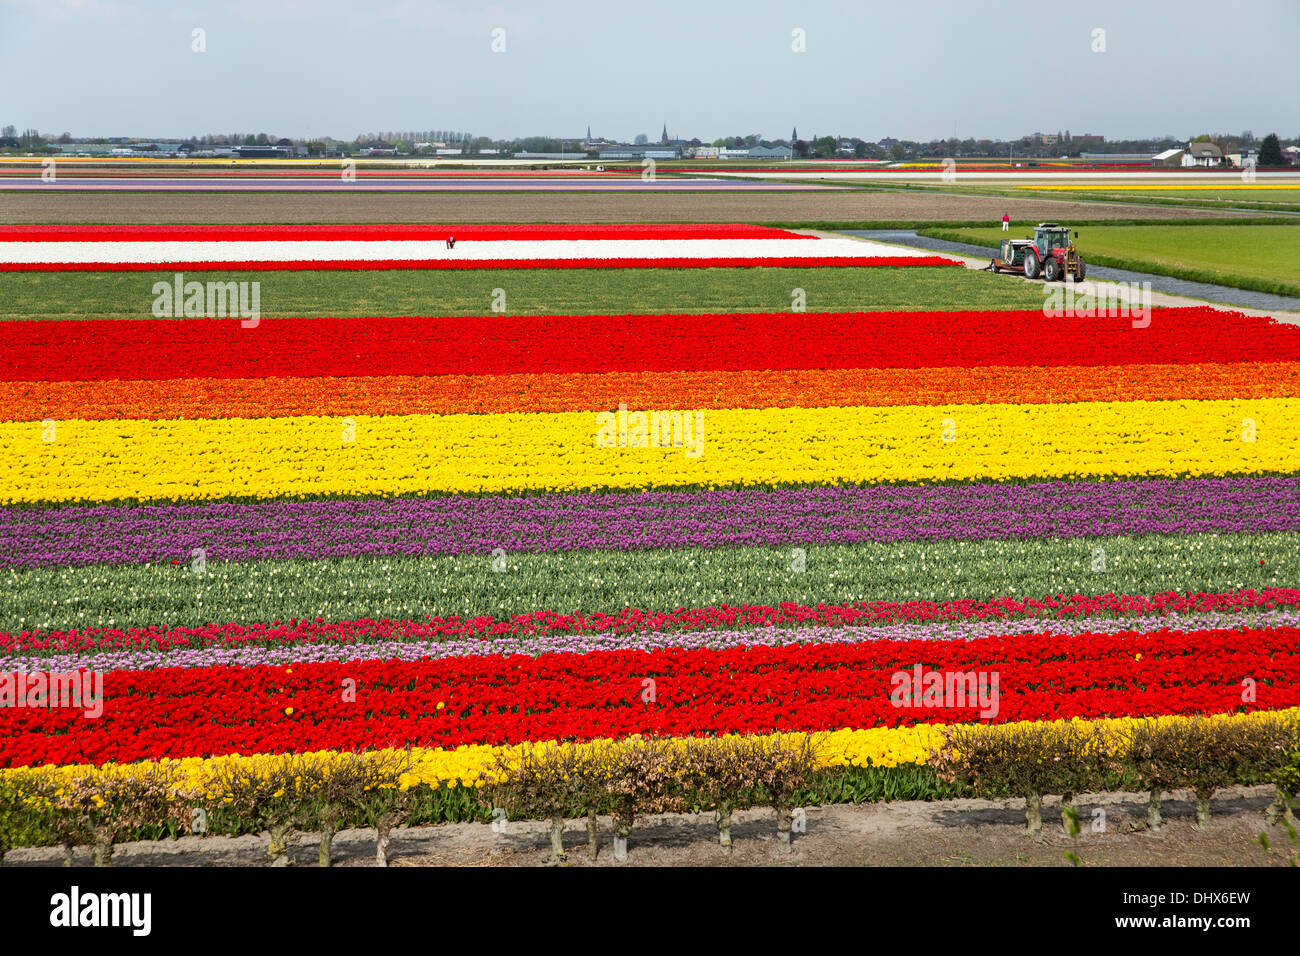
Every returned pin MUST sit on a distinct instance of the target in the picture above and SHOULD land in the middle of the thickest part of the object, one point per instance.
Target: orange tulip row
(562, 392)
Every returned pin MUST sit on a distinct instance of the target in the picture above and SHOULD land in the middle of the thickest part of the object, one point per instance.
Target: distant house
(642, 151)
(1291, 155)
(756, 152)
(1170, 157)
(1202, 154)
(261, 152)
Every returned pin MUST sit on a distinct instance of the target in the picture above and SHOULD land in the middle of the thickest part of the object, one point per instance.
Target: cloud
(436, 15)
(74, 11)
(272, 11)
(422, 14)
(444, 17)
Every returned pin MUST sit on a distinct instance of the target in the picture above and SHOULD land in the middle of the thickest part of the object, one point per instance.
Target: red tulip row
(633, 620)
(37, 351)
(178, 712)
(387, 232)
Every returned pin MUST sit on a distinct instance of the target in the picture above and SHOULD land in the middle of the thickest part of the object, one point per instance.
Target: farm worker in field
(1006, 222)
(451, 242)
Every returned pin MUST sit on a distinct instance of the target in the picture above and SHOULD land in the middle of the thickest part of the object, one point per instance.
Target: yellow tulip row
(273, 457)
(879, 747)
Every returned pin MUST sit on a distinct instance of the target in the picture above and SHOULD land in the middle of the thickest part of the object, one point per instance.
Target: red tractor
(1050, 254)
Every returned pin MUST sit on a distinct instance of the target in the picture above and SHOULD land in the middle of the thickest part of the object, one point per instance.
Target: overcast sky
(912, 70)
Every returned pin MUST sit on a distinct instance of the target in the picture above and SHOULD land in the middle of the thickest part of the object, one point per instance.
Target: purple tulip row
(248, 656)
(229, 531)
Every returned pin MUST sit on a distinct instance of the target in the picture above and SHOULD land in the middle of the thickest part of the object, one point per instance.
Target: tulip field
(451, 533)
(118, 249)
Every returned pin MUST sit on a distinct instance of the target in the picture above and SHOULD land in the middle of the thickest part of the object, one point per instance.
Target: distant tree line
(815, 147)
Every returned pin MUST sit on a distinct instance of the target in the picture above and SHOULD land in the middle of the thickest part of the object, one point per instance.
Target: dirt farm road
(839, 206)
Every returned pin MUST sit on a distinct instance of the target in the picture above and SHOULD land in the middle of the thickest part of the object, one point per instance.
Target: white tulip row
(326, 250)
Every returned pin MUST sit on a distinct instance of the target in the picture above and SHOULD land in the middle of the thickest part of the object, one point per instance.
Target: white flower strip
(466, 250)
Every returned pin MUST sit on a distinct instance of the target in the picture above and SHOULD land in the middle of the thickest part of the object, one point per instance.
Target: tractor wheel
(1078, 276)
(1031, 265)
(1052, 270)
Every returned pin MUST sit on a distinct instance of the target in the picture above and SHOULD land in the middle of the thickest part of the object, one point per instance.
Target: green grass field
(1264, 258)
(1280, 200)
(1225, 194)
(102, 295)
(1261, 201)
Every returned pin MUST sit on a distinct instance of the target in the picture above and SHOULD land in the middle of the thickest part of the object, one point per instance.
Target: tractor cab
(1049, 236)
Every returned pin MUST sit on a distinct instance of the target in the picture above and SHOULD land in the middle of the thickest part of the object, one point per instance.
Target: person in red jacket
(1006, 222)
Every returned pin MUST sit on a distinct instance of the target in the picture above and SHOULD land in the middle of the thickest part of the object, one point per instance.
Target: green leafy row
(415, 587)
(117, 295)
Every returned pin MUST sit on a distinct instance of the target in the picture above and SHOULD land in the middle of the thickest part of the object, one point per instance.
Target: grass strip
(826, 225)
(74, 295)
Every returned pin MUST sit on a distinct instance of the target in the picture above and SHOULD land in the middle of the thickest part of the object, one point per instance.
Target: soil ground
(915, 833)
(855, 205)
